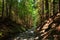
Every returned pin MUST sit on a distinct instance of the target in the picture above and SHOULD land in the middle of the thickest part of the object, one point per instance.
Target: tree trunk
(6, 9)
(53, 7)
(59, 6)
(10, 7)
(47, 8)
(2, 8)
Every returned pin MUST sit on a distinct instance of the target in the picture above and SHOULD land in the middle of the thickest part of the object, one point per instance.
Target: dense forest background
(22, 15)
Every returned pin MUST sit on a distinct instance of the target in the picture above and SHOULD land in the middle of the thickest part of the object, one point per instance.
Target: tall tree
(59, 5)
(47, 8)
(7, 8)
(50, 8)
(2, 8)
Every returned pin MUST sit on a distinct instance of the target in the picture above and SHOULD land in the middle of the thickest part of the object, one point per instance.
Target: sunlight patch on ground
(36, 38)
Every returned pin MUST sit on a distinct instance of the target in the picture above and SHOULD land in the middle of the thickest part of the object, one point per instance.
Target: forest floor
(50, 29)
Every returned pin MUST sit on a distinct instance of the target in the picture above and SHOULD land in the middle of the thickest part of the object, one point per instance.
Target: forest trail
(53, 23)
(48, 26)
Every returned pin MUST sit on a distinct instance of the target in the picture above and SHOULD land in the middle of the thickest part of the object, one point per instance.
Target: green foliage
(26, 8)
